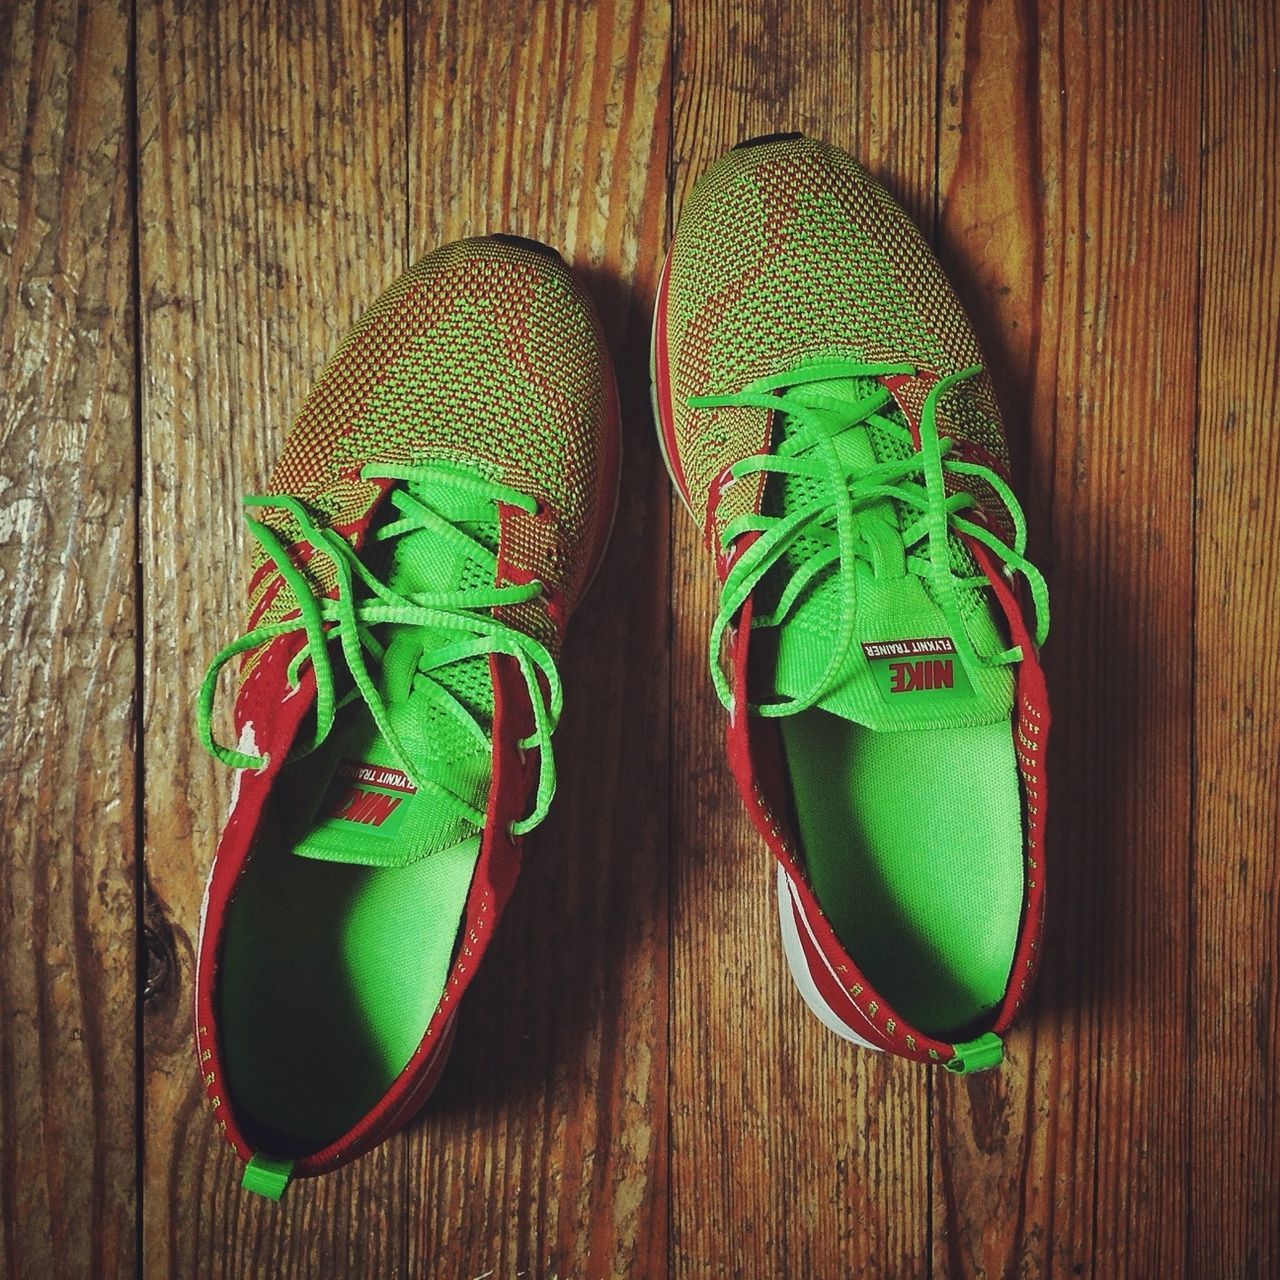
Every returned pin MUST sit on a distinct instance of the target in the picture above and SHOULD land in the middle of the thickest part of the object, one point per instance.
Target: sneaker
(439, 507)
(826, 418)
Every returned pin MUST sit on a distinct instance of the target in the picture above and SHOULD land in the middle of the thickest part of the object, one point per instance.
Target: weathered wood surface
(271, 209)
(636, 1088)
(68, 608)
(1233, 949)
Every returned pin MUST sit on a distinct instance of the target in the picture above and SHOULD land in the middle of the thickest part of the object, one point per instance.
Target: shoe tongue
(904, 668)
(369, 812)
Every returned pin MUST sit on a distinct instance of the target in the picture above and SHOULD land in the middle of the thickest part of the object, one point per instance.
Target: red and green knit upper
(791, 253)
(438, 508)
(528, 413)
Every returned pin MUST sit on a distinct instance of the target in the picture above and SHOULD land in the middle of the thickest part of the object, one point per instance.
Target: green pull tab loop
(981, 1054)
(266, 1177)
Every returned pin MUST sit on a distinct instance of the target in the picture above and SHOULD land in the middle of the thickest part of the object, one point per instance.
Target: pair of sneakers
(441, 504)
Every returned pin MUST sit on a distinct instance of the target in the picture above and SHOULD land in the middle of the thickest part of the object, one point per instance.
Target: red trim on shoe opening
(756, 759)
(1031, 737)
(497, 867)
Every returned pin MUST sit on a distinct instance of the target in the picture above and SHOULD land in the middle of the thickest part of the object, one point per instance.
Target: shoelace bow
(918, 482)
(349, 619)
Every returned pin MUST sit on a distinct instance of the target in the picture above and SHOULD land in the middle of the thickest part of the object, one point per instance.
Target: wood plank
(68, 670)
(272, 156)
(1126, 1136)
(792, 1153)
(544, 1151)
(1235, 1097)
(1069, 141)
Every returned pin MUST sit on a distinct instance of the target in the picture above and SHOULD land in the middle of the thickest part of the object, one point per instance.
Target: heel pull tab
(981, 1054)
(266, 1177)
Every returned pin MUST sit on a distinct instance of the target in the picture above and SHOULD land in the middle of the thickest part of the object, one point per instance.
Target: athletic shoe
(825, 416)
(440, 505)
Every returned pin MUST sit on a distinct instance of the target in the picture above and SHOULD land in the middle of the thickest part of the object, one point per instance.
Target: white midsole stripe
(793, 948)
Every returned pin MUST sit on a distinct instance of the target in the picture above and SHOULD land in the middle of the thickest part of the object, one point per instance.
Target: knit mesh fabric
(790, 252)
(487, 353)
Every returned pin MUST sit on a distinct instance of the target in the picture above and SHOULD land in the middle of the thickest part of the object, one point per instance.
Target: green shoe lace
(831, 518)
(349, 618)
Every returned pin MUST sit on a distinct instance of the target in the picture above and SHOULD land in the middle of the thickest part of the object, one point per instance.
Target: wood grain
(1235, 1046)
(272, 211)
(545, 1150)
(1068, 216)
(791, 1152)
(67, 675)
(636, 1089)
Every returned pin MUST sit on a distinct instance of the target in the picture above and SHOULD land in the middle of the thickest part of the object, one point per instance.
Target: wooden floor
(197, 198)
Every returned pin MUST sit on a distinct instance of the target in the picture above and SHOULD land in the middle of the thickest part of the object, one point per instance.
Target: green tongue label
(920, 669)
(371, 796)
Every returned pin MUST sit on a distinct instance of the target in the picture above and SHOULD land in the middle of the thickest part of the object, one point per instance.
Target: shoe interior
(330, 974)
(913, 844)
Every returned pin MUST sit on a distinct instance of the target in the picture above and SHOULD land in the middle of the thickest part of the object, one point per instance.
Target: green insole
(330, 975)
(913, 844)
